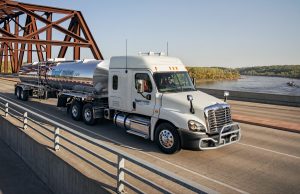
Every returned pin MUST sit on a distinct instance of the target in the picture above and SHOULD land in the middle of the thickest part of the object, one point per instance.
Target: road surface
(266, 160)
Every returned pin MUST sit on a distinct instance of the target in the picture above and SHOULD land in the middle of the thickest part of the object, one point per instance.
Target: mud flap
(62, 101)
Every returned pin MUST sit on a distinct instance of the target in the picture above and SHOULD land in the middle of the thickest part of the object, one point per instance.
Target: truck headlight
(196, 126)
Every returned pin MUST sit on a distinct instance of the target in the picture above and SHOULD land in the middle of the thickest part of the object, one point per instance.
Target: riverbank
(213, 80)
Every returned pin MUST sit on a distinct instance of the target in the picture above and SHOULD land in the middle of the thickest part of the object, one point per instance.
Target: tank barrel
(81, 75)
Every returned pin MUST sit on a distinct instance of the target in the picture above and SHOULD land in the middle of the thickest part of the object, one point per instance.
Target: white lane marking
(268, 150)
(197, 174)
(183, 168)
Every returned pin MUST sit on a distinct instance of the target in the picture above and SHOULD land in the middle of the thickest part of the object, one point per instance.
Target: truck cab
(154, 97)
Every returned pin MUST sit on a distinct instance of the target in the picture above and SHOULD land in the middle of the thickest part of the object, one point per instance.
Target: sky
(228, 33)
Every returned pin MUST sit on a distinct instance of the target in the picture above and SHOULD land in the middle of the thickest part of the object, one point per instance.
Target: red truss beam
(17, 38)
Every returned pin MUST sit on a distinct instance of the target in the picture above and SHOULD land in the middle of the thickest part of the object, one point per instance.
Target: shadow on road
(103, 130)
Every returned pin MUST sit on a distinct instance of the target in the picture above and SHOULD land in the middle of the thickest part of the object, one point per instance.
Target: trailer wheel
(167, 138)
(87, 114)
(76, 109)
(24, 94)
(18, 92)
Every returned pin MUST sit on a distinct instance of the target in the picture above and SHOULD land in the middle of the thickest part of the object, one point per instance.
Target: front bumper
(229, 134)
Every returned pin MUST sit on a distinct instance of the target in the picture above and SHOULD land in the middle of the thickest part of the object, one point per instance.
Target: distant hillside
(213, 73)
(291, 71)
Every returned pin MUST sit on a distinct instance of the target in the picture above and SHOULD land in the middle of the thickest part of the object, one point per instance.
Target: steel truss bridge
(27, 29)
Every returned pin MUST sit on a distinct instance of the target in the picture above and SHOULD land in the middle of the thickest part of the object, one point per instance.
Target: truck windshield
(173, 82)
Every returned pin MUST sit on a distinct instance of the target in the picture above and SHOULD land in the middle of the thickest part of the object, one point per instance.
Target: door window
(147, 81)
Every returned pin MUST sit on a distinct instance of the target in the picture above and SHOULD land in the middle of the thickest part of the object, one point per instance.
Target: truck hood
(178, 101)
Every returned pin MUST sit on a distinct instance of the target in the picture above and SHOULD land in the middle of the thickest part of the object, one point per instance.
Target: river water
(260, 84)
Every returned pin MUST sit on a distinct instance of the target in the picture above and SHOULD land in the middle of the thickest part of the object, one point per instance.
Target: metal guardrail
(122, 156)
(266, 98)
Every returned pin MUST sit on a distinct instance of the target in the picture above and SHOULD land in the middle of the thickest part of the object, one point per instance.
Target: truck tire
(167, 138)
(24, 94)
(87, 114)
(18, 92)
(76, 110)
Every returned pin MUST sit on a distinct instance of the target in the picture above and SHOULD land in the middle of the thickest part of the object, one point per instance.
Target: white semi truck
(149, 96)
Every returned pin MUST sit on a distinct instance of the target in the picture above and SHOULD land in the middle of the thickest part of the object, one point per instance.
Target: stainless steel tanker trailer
(149, 96)
(69, 81)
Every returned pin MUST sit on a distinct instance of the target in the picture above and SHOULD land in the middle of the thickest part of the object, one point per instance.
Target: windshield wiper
(189, 89)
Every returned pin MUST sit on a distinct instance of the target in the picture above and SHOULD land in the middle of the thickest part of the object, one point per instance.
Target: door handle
(133, 105)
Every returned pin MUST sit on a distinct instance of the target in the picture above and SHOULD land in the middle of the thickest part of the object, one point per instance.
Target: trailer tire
(76, 110)
(167, 138)
(18, 92)
(87, 114)
(24, 94)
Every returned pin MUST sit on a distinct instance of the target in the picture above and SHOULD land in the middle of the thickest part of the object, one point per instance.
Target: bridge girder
(18, 37)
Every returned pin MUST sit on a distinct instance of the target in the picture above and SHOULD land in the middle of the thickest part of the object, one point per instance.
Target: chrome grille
(217, 116)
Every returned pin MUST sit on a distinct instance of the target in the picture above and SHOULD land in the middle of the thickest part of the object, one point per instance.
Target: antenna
(126, 57)
(167, 48)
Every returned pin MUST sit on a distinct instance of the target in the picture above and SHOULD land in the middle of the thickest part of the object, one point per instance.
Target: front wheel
(87, 114)
(167, 138)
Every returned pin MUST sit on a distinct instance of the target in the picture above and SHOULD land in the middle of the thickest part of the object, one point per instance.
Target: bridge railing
(24, 115)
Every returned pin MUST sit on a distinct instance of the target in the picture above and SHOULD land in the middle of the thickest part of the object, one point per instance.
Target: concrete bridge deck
(16, 177)
(266, 160)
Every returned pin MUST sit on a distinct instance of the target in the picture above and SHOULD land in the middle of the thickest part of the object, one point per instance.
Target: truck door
(143, 103)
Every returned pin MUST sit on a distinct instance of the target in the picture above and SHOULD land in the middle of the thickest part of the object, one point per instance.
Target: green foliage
(292, 71)
(213, 73)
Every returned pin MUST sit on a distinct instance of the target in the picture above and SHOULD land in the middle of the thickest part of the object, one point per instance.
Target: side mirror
(189, 97)
(226, 94)
(194, 81)
(140, 86)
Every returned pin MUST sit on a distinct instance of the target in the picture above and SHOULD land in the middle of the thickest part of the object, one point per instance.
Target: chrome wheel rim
(87, 114)
(166, 138)
(22, 95)
(74, 111)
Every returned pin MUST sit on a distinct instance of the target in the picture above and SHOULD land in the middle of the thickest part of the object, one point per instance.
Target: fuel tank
(80, 75)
